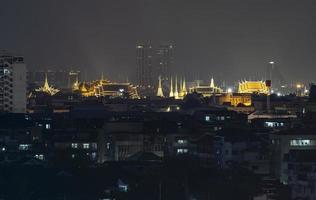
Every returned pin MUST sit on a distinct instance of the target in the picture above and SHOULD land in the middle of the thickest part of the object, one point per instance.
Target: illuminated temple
(258, 87)
(178, 89)
(105, 88)
(207, 90)
(46, 88)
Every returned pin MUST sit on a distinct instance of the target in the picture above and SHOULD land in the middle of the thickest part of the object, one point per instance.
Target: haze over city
(227, 39)
(158, 99)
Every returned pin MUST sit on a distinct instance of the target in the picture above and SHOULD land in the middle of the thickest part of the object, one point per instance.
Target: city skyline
(211, 38)
(158, 99)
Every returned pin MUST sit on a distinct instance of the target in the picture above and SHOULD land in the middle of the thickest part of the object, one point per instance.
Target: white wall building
(12, 83)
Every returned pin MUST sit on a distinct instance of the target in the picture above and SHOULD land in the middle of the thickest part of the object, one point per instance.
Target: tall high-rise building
(144, 61)
(12, 83)
(164, 60)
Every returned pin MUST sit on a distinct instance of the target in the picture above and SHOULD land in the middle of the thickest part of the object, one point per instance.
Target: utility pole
(269, 85)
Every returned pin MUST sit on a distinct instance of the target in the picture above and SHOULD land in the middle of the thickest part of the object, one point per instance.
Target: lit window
(39, 156)
(182, 141)
(47, 126)
(301, 142)
(182, 151)
(24, 147)
(86, 146)
(6, 71)
(273, 124)
(74, 145)
(207, 118)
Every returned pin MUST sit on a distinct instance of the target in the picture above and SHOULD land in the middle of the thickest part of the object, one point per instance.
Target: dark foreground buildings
(68, 146)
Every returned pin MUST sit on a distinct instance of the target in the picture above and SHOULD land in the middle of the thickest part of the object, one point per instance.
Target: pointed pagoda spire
(180, 84)
(176, 94)
(180, 88)
(159, 91)
(76, 84)
(46, 85)
(184, 88)
(212, 83)
(83, 88)
(171, 88)
(46, 88)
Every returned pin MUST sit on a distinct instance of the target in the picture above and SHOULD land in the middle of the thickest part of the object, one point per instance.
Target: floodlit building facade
(253, 87)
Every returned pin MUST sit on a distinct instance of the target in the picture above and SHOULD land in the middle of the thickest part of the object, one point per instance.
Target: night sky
(227, 39)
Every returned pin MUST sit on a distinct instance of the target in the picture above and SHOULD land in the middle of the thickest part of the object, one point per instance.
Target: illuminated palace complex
(102, 88)
(178, 89)
(97, 88)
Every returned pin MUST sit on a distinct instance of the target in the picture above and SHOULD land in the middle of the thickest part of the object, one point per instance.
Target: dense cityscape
(158, 131)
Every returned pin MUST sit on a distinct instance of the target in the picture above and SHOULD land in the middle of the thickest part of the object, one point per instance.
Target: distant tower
(176, 94)
(164, 60)
(144, 65)
(159, 91)
(171, 94)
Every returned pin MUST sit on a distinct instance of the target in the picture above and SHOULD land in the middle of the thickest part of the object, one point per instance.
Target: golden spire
(212, 83)
(76, 84)
(46, 88)
(171, 88)
(46, 85)
(180, 88)
(159, 91)
(176, 94)
(184, 88)
(83, 88)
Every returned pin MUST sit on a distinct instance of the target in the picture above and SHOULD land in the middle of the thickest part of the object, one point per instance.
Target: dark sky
(227, 39)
